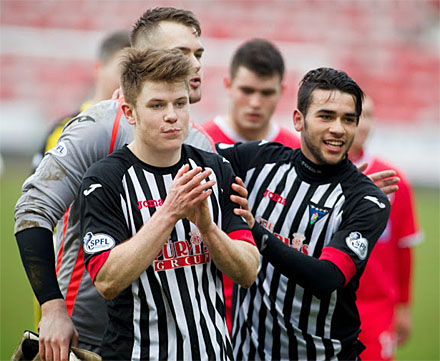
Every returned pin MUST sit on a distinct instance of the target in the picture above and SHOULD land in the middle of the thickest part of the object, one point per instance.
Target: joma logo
(150, 203)
(275, 197)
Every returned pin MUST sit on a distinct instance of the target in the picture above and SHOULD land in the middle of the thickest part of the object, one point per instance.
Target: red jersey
(386, 279)
(219, 131)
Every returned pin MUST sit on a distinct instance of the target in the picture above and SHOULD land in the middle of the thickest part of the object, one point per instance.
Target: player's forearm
(238, 260)
(129, 259)
(38, 257)
(319, 276)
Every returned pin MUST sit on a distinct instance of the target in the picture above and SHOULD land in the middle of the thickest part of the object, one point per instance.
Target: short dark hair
(149, 21)
(328, 79)
(259, 56)
(113, 43)
(165, 65)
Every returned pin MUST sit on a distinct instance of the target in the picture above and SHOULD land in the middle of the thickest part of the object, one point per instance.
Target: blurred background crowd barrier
(391, 48)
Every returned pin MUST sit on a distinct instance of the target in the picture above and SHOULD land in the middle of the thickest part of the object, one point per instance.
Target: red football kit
(387, 277)
(219, 131)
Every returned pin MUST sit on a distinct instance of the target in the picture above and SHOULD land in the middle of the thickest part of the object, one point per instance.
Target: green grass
(425, 340)
(16, 300)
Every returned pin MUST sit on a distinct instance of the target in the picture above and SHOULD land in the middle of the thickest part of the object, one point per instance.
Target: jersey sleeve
(102, 222)
(48, 193)
(362, 224)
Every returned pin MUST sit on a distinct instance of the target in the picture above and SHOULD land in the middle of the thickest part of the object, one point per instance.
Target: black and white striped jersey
(175, 309)
(332, 213)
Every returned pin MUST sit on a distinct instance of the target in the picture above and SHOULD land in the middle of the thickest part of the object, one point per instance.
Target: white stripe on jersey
(300, 194)
(272, 186)
(136, 350)
(334, 221)
(130, 220)
(260, 179)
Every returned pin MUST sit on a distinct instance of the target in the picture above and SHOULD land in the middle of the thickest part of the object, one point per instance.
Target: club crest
(316, 213)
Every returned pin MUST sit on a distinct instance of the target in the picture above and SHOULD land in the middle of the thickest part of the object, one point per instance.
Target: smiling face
(160, 118)
(253, 101)
(328, 127)
(172, 35)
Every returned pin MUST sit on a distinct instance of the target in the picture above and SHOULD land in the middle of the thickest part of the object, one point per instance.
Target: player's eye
(247, 91)
(268, 93)
(180, 103)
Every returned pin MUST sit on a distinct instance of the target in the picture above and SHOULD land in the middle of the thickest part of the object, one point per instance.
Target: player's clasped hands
(187, 194)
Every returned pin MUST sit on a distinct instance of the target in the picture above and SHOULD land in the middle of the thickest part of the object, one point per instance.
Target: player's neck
(155, 158)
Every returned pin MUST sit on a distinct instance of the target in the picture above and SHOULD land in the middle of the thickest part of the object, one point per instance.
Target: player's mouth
(195, 82)
(171, 131)
(334, 145)
(253, 117)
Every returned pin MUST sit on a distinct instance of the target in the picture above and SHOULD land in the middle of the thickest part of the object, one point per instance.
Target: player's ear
(283, 87)
(227, 82)
(129, 113)
(298, 120)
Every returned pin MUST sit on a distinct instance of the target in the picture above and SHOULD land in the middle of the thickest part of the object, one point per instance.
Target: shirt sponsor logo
(94, 243)
(60, 150)
(316, 213)
(150, 203)
(376, 201)
(297, 241)
(91, 188)
(182, 253)
(275, 197)
(357, 244)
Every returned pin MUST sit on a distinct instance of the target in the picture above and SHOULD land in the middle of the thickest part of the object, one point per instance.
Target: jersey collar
(312, 172)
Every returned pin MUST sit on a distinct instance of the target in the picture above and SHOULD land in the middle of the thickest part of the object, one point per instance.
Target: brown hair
(148, 22)
(138, 66)
(112, 44)
(259, 56)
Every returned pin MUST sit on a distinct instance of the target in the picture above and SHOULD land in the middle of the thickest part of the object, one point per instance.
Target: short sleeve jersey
(175, 309)
(333, 213)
